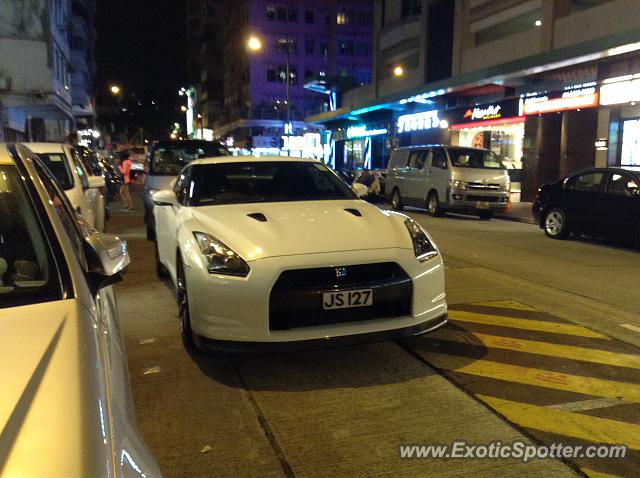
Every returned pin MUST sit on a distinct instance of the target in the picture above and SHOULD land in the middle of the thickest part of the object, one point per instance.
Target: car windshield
(237, 183)
(169, 159)
(59, 167)
(475, 158)
(27, 271)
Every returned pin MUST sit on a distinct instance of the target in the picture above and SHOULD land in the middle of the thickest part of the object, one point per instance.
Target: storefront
(361, 147)
(496, 126)
(619, 121)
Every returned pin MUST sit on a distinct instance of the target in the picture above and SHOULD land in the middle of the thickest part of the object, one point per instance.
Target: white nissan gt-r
(279, 253)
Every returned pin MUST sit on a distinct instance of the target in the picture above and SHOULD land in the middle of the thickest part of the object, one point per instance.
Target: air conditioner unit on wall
(5, 83)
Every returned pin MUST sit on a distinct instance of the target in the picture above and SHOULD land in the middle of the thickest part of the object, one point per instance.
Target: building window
(346, 48)
(271, 75)
(293, 15)
(341, 18)
(282, 14)
(293, 75)
(411, 8)
(283, 42)
(308, 74)
(308, 16)
(364, 18)
(362, 49)
(271, 13)
(309, 46)
(324, 49)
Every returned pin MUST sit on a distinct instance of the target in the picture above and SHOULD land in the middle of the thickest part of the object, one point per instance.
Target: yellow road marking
(524, 324)
(536, 377)
(576, 425)
(597, 474)
(543, 348)
(506, 304)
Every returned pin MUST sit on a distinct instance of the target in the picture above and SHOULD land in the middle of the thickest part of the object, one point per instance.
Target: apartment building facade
(549, 84)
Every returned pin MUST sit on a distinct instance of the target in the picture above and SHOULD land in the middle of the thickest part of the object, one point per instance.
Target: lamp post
(254, 44)
(190, 93)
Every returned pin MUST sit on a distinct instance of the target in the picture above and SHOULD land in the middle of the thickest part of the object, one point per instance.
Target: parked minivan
(165, 160)
(447, 178)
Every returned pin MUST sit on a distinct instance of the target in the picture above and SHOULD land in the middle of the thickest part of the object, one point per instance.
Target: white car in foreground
(278, 253)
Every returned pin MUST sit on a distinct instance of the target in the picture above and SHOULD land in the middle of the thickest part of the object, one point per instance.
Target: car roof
(43, 148)
(627, 169)
(185, 142)
(251, 159)
(422, 146)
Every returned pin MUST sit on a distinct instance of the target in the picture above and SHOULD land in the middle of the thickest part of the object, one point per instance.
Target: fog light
(457, 197)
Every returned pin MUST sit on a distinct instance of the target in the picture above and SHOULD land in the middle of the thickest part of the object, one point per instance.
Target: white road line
(635, 328)
(147, 341)
(150, 370)
(584, 405)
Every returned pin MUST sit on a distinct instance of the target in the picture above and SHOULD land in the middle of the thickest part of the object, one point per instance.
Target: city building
(82, 38)
(285, 60)
(35, 95)
(548, 84)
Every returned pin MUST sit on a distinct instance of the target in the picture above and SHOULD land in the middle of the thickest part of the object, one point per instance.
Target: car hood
(52, 417)
(308, 227)
(477, 175)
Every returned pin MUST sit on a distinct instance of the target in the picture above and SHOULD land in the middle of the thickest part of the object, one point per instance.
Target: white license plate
(347, 299)
(482, 205)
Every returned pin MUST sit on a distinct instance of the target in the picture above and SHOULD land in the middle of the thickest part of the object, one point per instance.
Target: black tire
(555, 224)
(396, 200)
(161, 272)
(433, 204)
(151, 231)
(486, 215)
(183, 308)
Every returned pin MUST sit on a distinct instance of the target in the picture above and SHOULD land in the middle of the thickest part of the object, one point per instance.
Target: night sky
(141, 47)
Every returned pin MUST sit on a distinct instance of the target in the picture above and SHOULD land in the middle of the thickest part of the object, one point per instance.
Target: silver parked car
(447, 178)
(166, 160)
(65, 402)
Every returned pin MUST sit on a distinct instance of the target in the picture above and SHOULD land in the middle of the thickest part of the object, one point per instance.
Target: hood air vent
(258, 216)
(355, 212)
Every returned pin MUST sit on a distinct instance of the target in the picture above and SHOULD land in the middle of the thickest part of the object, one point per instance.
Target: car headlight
(219, 259)
(457, 184)
(422, 245)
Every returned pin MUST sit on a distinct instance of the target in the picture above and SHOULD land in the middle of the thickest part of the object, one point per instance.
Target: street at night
(538, 348)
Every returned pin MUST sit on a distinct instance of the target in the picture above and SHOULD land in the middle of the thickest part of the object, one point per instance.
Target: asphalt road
(542, 347)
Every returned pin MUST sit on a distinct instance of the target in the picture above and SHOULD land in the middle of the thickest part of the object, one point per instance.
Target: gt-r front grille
(296, 298)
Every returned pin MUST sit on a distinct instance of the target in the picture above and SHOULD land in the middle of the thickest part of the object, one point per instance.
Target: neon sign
(420, 121)
(362, 131)
(584, 96)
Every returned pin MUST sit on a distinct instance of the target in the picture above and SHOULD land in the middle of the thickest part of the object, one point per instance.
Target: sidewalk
(520, 212)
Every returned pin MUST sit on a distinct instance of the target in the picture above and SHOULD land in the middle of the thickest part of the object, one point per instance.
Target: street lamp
(254, 44)
(398, 71)
(115, 90)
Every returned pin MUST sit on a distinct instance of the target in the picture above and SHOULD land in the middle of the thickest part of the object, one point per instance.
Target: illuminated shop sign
(623, 89)
(362, 131)
(572, 98)
(420, 121)
(489, 112)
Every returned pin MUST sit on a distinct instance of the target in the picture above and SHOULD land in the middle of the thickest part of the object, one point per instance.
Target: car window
(88, 160)
(589, 182)
(182, 185)
(268, 181)
(475, 158)
(82, 173)
(171, 158)
(400, 159)
(63, 210)
(438, 158)
(28, 273)
(622, 185)
(417, 159)
(59, 167)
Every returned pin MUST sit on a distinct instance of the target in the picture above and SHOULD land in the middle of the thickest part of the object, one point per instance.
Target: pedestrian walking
(125, 170)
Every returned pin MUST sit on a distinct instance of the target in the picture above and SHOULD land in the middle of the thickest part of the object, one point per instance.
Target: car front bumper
(478, 200)
(224, 309)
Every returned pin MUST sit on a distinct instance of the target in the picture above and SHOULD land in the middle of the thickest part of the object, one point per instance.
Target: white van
(82, 187)
(447, 178)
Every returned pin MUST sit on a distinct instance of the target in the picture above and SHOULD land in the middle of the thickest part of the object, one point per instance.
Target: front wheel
(161, 272)
(183, 309)
(396, 200)
(555, 223)
(433, 204)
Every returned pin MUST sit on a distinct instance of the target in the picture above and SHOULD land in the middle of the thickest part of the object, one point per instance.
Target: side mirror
(360, 190)
(107, 259)
(165, 197)
(96, 182)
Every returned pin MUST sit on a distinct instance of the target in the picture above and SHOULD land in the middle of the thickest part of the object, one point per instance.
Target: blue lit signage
(361, 131)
